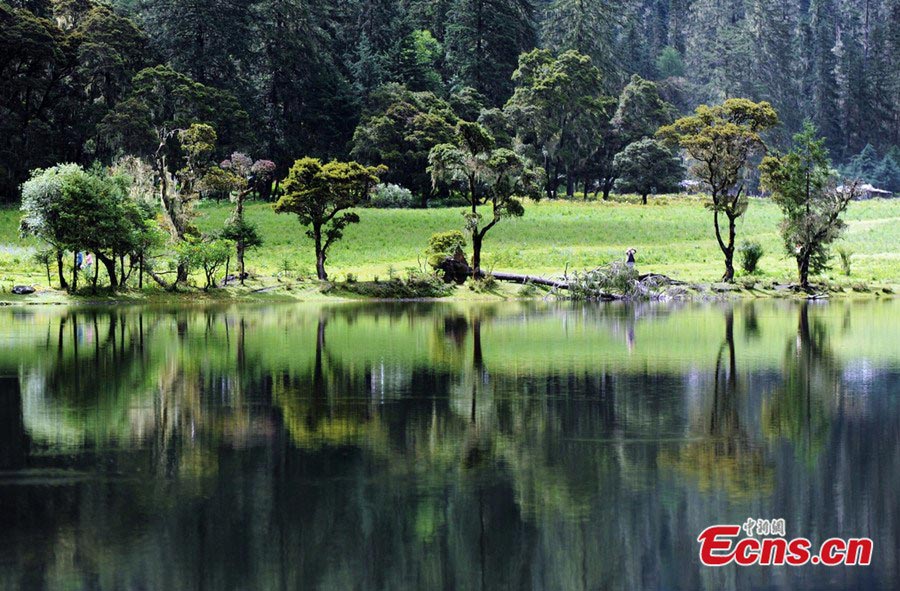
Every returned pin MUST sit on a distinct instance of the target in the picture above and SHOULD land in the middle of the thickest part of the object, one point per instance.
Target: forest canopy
(292, 78)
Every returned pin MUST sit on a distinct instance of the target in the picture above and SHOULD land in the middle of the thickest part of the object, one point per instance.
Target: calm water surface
(442, 446)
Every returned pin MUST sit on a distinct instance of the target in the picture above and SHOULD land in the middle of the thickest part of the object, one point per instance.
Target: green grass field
(673, 235)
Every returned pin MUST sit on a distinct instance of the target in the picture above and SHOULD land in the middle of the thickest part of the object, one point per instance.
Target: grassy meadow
(673, 235)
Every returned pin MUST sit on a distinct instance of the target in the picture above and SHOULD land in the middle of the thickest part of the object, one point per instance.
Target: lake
(443, 445)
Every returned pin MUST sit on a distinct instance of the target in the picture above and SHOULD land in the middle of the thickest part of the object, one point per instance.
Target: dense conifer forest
(383, 81)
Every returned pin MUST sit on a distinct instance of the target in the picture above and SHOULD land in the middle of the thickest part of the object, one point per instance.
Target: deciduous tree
(485, 175)
(238, 176)
(557, 107)
(398, 130)
(721, 140)
(320, 195)
(647, 166)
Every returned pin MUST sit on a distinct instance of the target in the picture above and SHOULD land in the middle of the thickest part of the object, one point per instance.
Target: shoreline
(341, 292)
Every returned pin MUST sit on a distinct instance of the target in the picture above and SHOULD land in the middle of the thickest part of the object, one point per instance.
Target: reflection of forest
(194, 449)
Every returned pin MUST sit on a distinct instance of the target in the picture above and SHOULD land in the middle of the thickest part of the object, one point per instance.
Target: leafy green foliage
(582, 26)
(417, 62)
(845, 256)
(641, 111)
(556, 107)
(868, 167)
(207, 254)
(244, 232)
(669, 63)
(399, 130)
(60, 77)
(485, 175)
(637, 114)
(483, 41)
(162, 101)
(720, 140)
(444, 244)
(750, 252)
(805, 189)
(320, 195)
(71, 209)
(647, 166)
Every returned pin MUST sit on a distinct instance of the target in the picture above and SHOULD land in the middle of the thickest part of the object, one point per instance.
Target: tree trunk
(726, 248)
(74, 272)
(476, 254)
(63, 284)
(110, 264)
(549, 188)
(239, 245)
(122, 276)
(644, 199)
(240, 260)
(227, 269)
(97, 276)
(554, 181)
(570, 185)
(803, 269)
(729, 251)
(141, 272)
(320, 254)
(608, 183)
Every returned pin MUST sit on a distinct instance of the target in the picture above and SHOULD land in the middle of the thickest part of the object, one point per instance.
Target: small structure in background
(869, 191)
(690, 187)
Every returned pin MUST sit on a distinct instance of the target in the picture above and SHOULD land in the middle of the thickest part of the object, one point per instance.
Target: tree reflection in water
(724, 455)
(433, 447)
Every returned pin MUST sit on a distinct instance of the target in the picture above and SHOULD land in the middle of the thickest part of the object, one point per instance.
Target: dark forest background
(286, 78)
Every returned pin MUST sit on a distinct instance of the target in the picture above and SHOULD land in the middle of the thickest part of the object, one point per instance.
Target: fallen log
(517, 278)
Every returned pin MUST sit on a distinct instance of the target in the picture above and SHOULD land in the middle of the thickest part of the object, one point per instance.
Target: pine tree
(586, 26)
(483, 40)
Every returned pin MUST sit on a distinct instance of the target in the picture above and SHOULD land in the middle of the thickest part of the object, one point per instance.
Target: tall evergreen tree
(484, 39)
(586, 26)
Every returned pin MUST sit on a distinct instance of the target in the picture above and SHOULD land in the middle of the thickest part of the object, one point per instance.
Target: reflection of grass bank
(438, 336)
(673, 236)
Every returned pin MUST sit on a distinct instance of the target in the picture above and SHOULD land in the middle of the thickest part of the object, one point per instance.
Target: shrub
(845, 256)
(414, 286)
(484, 284)
(388, 195)
(444, 244)
(208, 255)
(750, 253)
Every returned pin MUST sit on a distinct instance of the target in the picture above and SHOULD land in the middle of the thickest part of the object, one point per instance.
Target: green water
(442, 446)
